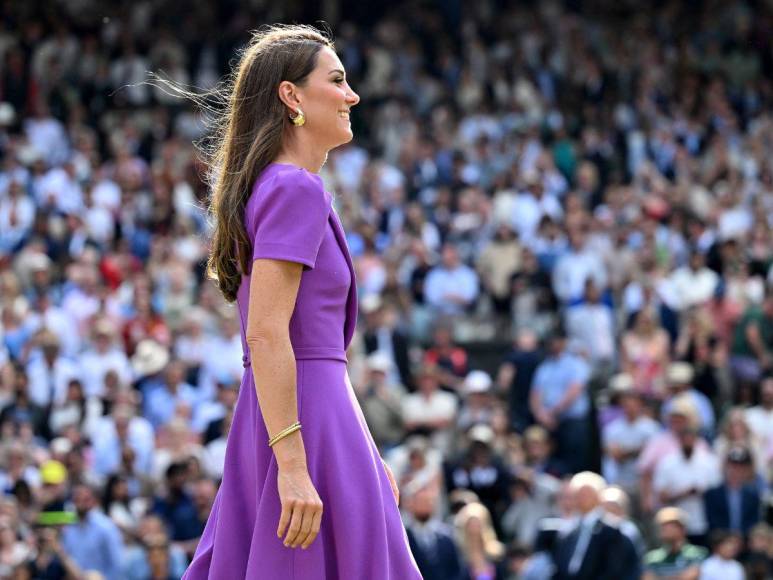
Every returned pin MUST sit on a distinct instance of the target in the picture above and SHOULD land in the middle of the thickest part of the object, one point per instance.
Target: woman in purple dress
(305, 494)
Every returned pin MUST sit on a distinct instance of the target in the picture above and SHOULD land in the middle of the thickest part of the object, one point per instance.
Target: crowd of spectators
(560, 219)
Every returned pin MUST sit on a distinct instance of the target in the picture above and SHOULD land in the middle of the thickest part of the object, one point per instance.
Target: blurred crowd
(560, 219)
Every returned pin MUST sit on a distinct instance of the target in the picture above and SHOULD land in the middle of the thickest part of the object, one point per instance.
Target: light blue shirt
(440, 281)
(553, 378)
(95, 543)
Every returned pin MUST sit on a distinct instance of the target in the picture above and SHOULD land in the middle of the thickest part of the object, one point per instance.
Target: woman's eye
(338, 81)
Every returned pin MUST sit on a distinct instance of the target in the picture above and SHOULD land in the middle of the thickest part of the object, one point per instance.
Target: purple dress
(290, 217)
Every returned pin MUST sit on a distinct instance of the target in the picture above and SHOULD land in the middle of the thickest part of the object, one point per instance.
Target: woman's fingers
(308, 515)
(295, 524)
(284, 519)
(315, 523)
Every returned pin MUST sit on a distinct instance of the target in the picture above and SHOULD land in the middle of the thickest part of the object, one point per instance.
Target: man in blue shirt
(94, 542)
(559, 402)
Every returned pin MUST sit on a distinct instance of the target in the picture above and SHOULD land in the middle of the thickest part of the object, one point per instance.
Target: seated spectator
(722, 564)
(676, 557)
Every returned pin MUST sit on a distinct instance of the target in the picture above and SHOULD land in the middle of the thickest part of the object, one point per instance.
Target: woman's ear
(288, 94)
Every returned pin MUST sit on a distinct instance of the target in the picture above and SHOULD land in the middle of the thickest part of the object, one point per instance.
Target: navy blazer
(610, 555)
(718, 508)
(444, 563)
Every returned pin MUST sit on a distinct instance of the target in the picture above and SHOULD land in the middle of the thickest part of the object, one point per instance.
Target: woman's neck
(303, 154)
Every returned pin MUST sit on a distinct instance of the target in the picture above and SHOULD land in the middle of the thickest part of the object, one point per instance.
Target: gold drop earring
(299, 119)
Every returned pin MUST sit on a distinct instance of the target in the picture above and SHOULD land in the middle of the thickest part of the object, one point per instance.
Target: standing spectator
(94, 542)
(430, 411)
(381, 402)
(382, 334)
(760, 417)
(578, 265)
(681, 478)
(679, 378)
(645, 354)
(583, 553)
(560, 403)
(482, 552)
(515, 376)
(431, 541)
(735, 504)
(752, 348)
(625, 437)
(478, 405)
(590, 327)
(676, 558)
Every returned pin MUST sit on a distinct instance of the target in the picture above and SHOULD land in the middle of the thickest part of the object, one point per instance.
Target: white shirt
(43, 379)
(440, 405)
(760, 421)
(573, 269)
(629, 436)
(716, 568)
(693, 288)
(592, 328)
(676, 474)
(94, 366)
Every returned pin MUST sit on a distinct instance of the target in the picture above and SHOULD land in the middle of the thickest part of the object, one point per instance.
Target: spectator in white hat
(679, 378)
(478, 400)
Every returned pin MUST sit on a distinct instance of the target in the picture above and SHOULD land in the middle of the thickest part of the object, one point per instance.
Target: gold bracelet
(284, 433)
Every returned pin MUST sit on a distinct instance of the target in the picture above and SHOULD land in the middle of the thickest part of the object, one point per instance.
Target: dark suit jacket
(718, 508)
(400, 350)
(442, 563)
(610, 555)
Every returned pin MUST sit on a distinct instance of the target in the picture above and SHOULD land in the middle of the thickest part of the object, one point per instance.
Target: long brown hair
(247, 135)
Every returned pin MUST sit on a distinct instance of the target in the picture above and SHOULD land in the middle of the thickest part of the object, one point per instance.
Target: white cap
(379, 361)
(477, 382)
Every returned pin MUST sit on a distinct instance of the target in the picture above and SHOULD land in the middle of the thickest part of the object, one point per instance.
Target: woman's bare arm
(273, 290)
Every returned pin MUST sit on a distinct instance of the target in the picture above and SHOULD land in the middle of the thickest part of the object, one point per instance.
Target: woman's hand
(301, 507)
(392, 482)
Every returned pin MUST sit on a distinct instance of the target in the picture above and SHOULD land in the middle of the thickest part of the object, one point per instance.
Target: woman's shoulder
(280, 178)
(289, 186)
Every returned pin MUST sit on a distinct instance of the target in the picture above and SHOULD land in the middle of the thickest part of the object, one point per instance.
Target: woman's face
(326, 100)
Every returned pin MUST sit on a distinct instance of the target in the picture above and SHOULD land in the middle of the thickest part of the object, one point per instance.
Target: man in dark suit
(595, 549)
(734, 505)
(431, 540)
(382, 334)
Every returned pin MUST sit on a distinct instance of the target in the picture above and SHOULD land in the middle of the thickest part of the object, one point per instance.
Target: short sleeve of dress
(290, 217)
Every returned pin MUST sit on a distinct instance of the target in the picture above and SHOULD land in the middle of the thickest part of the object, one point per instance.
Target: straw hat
(149, 358)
